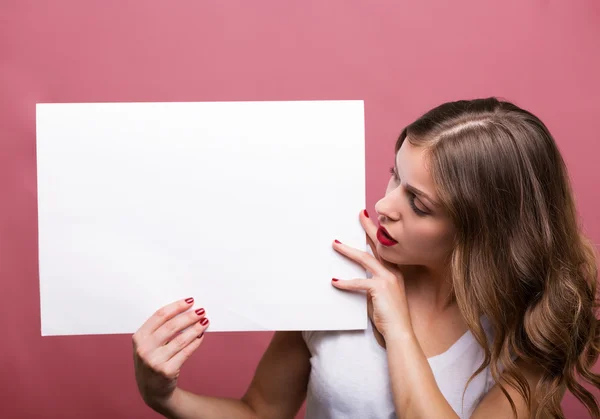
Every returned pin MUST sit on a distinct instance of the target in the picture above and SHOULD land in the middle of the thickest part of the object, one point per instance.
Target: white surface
(233, 203)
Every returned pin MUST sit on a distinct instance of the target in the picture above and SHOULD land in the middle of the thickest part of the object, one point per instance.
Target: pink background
(400, 57)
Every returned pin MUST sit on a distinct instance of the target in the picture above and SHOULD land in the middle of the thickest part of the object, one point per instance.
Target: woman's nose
(387, 208)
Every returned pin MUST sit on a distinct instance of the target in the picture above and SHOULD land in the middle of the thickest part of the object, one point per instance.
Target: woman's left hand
(388, 307)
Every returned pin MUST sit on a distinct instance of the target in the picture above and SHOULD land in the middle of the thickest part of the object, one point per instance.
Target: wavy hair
(520, 258)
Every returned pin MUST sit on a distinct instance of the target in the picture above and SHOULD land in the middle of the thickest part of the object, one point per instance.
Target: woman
(482, 297)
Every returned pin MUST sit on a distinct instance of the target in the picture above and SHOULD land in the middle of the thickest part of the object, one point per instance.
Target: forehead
(412, 166)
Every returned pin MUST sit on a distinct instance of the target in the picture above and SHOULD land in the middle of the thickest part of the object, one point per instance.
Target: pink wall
(400, 57)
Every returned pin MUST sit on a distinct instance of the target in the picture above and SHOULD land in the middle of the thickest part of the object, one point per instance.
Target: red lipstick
(384, 237)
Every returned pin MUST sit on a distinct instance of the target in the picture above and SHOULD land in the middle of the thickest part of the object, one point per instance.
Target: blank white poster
(233, 203)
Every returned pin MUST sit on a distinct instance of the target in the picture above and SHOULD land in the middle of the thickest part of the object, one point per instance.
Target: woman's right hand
(160, 348)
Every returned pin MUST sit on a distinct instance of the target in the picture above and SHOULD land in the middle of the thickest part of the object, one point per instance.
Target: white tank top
(349, 375)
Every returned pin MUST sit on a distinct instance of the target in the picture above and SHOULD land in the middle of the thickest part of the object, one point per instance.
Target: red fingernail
(335, 279)
(202, 334)
(204, 321)
(200, 311)
(189, 300)
(366, 213)
(338, 242)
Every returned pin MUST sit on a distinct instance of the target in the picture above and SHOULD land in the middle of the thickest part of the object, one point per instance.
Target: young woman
(482, 297)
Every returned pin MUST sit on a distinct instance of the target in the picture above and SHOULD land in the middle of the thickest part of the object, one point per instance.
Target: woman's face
(417, 230)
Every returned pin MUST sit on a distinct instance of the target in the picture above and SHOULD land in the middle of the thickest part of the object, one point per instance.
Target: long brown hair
(520, 258)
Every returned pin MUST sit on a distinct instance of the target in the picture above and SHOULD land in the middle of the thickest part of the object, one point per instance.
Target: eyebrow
(417, 191)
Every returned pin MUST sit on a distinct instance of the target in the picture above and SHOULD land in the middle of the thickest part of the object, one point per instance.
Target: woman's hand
(160, 348)
(388, 307)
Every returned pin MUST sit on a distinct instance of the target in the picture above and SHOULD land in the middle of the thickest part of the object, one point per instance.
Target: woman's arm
(281, 380)
(414, 389)
(277, 389)
(416, 394)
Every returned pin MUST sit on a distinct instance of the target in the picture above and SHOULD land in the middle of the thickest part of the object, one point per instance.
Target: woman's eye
(414, 207)
(411, 196)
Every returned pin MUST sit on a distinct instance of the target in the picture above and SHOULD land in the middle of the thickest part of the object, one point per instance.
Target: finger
(371, 232)
(175, 363)
(353, 284)
(172, 328)
(373, 249)
(369, 226)
(181, 341)
(163, 314)
(363, 258)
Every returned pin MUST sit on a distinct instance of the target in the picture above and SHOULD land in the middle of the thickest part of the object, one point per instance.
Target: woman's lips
(384, 237)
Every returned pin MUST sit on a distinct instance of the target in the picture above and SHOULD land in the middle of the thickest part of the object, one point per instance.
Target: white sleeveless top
(349, 375)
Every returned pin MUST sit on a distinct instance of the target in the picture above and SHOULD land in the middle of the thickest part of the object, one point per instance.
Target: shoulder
(495, 403)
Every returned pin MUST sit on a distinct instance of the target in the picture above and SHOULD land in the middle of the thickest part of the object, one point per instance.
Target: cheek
(428, 239)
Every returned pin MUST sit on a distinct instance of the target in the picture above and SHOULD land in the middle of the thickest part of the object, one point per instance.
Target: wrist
(166, 405)
(399, 337)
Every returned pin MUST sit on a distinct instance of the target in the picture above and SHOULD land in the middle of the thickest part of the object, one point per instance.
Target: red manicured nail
(335, 279)
(204, 321)
(200, 311)
(338, 242)
(202, 334)
(189, 300)
(366, 213)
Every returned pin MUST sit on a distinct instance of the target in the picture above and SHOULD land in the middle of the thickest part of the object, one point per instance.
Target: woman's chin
(390, 254)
